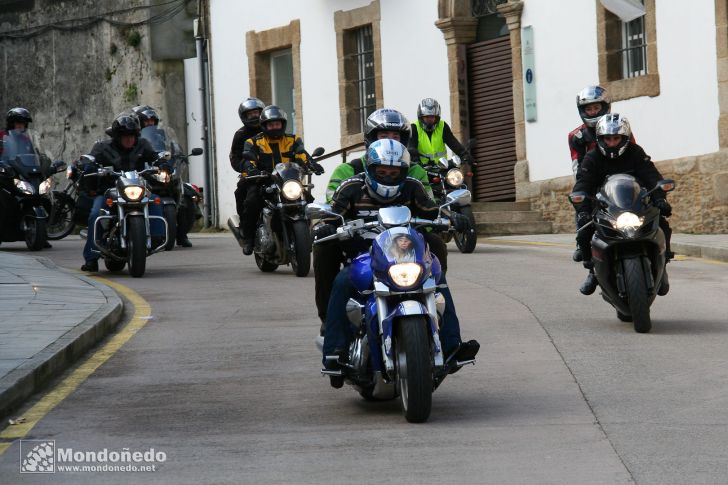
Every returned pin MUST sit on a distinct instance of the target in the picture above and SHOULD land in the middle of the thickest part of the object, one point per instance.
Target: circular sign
(529, 76)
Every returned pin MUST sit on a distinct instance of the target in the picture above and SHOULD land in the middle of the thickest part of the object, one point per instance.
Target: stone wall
(700, 200)
(74, 81)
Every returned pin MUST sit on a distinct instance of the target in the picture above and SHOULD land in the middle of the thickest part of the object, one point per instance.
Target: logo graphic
(37, 456)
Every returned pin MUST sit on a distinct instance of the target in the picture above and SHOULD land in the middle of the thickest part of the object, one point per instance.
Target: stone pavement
(48, 318)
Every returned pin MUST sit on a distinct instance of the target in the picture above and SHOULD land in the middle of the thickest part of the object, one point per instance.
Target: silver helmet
(429, 107)
(590, 95)
(613, 124)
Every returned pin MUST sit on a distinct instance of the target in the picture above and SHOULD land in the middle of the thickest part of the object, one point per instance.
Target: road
(224, 380)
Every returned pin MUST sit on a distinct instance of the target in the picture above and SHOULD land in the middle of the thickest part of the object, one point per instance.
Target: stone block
(720, 187)
(682, 166)
(713, 162)
(520, 172)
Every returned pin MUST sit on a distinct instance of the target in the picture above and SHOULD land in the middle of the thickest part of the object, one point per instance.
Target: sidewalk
(709, 246)
(48, 318)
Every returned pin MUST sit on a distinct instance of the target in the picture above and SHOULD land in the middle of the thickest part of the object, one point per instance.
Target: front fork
(122, 217)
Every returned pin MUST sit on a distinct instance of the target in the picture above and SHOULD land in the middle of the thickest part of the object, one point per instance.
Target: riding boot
(590, 284)
(664, 284)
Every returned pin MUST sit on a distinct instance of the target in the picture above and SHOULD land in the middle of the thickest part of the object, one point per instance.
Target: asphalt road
(224, 379)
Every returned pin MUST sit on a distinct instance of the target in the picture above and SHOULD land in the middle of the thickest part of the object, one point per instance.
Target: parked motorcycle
(68, 207)
(628, 246)
(24, 182)
(180, 201)
(446, 176)
(122, 230)
(395, 318)
(283, 235)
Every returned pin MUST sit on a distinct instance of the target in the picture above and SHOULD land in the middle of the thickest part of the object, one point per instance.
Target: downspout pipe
(204, 109)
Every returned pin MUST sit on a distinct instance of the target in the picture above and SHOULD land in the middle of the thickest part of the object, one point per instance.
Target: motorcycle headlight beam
(292, 189)
(45, 186)
(24, 187)
(454, 177)
(405, 275)
(133, 192)
(628, 221)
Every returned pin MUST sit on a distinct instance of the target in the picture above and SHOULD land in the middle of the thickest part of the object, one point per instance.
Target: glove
(317, 168)
(664, 206)
(582, 219)
(459, 222)
(250, 170)
(89, 168)
(324, 230)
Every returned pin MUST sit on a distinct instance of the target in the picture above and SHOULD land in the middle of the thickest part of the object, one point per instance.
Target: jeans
(338, 328)
(89, 253)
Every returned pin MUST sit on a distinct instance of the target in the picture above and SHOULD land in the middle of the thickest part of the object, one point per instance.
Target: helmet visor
(388, 174)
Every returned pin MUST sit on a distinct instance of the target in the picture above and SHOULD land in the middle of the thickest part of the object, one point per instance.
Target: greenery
(131, 93)
(133, 38)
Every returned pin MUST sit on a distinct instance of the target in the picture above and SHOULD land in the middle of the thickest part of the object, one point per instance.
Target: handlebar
(354, 227)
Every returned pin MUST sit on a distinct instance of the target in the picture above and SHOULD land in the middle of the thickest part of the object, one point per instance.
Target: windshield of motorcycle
(157, 137)
(624, 192)
(288, 171)
(19, 145)
(399, 245)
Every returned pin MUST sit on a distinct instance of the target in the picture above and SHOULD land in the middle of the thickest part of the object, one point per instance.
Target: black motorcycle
(23, 183)
(283, 233)
(180, 201)
(122, 229)
(628, 246)
(68, 206)
(445, 177)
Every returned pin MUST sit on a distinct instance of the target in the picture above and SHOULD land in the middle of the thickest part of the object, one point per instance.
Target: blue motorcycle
(396, 315)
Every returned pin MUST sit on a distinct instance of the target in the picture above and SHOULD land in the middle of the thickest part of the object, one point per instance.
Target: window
(361, 56)
(281, 79)
(634, 48)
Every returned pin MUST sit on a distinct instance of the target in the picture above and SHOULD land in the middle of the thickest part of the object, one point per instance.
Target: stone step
(501, 206)
(508, 216)
(513, 228)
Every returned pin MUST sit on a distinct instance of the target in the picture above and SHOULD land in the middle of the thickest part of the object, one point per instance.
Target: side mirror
(58, 166)
(461, 197)
(456, 161)
(667, 185)
(318, 152)
(196, 152)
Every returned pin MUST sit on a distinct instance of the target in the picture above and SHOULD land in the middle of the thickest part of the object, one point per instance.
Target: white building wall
(410, 41)
(681, 121)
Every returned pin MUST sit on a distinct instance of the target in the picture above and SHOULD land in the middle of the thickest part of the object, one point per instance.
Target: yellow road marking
(52, 398)
(525, 243)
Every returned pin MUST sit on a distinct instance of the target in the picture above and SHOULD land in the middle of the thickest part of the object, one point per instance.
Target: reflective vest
(431, 145)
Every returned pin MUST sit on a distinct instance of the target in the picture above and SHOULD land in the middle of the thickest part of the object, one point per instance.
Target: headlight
(24, 187)
(405, 275)
(292, 189)
(628, 220)
(162, 176)
(45, 186)
(454, 177)
(133, 192)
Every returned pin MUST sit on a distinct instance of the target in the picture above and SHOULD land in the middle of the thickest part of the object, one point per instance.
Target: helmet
(273, 113)
(250, 104)
(145, 113)
(591, 95)
(429, 107)
(613, 124)
(388, 153)
(125, 124)
(386, 120)
(16, 115)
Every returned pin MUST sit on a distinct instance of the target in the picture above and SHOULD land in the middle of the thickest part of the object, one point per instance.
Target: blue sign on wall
(529, 73)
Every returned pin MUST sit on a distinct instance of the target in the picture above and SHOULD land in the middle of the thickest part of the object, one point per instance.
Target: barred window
(634, 48)
(359, 55)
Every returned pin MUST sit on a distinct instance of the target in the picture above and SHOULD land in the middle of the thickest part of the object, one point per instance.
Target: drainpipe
(208, 192)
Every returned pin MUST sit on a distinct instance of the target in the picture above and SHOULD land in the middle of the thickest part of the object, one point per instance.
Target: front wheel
(639, 304)
(136, 245)
(301, 250)
(170, 215)
(414, 368)
(60, 220)
(36, 234)
(467, 239)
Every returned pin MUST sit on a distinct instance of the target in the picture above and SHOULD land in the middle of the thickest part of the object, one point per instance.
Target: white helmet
(590, 95)
(389, 153)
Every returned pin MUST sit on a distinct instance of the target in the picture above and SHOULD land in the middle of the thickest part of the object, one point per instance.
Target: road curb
(700, 251)
(32, 375)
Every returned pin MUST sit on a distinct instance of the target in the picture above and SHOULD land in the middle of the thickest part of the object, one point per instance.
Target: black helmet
(250, 104)
(145, 113)
(16, 115)
(591, 95)
(387, 120)
(273, 113)
(428, 107)
(125, 124)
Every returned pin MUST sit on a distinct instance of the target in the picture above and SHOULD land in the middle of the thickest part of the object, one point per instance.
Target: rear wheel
(263, 265)
(301, 250)
(414, 368)
(35, 234)
(137, 245)
(170, 215)
(639, 305)
(467, 239)
(60, 220)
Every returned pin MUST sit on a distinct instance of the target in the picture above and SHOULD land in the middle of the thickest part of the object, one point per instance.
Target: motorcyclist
(249, 113)
(124, 151)
(262, 153)
(592, 102)
(431, 136)
(383, 183)
(616, 154)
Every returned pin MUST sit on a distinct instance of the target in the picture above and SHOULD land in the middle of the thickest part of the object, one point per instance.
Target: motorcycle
(121, 231)
(395, 318)
(24, 182)
(283, 233)
(446, 176)
(68, 207)
(628, 246)
(180, 200)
